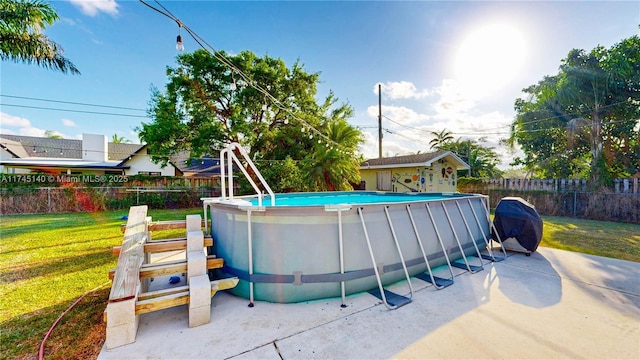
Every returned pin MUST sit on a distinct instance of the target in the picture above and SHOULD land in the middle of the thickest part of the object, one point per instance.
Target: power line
(71, 102)
(75, 111)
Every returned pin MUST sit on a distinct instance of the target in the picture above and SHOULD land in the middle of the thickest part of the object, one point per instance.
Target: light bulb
(303, 129)
(232, 86)
(286, 121)
(264, 107)
(179, 45)
(310, 136)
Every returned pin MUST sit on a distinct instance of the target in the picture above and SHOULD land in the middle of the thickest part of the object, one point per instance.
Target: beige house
(93, 155)
(429, 172)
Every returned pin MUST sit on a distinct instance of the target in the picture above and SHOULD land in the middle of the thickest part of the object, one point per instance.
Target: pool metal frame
(439, 283)
(241, 203)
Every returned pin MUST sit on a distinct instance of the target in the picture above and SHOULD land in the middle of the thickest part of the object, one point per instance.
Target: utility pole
(379, 121)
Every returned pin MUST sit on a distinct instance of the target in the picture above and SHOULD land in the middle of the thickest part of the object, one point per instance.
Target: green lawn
(604, 238)
(47, 261)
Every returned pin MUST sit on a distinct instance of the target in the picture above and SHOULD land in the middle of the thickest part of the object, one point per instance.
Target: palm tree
(21, 37)
(331, 168)
(119, 139)
(441, 139)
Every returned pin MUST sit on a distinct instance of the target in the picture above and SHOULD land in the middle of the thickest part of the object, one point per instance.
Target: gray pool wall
(296, 252)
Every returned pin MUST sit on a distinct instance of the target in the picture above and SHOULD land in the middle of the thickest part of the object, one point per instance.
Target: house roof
(43, 151)
(424, 159)
(66, 163)
(42, 147)
(205, 166)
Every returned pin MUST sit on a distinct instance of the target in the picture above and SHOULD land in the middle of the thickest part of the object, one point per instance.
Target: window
(383, 180)
(150, 173)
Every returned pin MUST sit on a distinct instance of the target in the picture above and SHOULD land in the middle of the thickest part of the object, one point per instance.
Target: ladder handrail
(455, 235)
(424, 254)
(395, 239)
(231, 158)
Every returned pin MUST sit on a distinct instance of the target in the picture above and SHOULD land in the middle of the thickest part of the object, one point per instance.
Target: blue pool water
(351, 198)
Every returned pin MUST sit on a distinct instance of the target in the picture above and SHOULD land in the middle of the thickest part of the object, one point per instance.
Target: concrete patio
(553, 304)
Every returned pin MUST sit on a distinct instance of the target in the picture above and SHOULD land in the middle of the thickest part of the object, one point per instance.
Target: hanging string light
(233, 82)
(179, 44)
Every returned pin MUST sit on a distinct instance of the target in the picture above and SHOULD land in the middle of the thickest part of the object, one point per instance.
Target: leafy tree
(581, 121)
(208, 104)
(284, 174)
(21, 37)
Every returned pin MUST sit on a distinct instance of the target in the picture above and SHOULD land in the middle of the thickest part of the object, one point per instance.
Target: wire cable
(71, 110)
(71, 102)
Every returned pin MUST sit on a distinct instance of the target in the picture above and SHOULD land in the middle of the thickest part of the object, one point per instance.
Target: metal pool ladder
(227, 157)
(391, 300)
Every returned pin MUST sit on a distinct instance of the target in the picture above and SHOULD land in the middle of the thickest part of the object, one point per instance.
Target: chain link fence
(25, 200)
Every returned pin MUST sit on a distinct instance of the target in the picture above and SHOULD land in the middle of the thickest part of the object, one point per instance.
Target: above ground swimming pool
(320, 245)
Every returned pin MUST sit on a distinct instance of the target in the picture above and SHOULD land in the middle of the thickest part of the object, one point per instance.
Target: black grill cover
(516, 218)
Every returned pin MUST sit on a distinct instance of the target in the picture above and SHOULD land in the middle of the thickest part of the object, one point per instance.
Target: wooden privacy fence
(568, 197)
(624, 186)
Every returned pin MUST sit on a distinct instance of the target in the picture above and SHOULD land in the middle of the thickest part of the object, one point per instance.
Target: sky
(443, 65)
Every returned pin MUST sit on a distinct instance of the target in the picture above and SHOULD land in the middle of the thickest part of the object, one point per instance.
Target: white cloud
(32, 131)
(68, 123)
(399, 115)
(13, 121)
(401, 90)
(391, 146)
(93, 7)
(453, 99)
(23, 126)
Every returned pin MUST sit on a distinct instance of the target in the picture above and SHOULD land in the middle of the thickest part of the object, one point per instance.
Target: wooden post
(122, 322)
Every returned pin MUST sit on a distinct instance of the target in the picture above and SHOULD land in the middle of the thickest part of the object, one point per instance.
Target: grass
(603, 238)
(49, 261)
